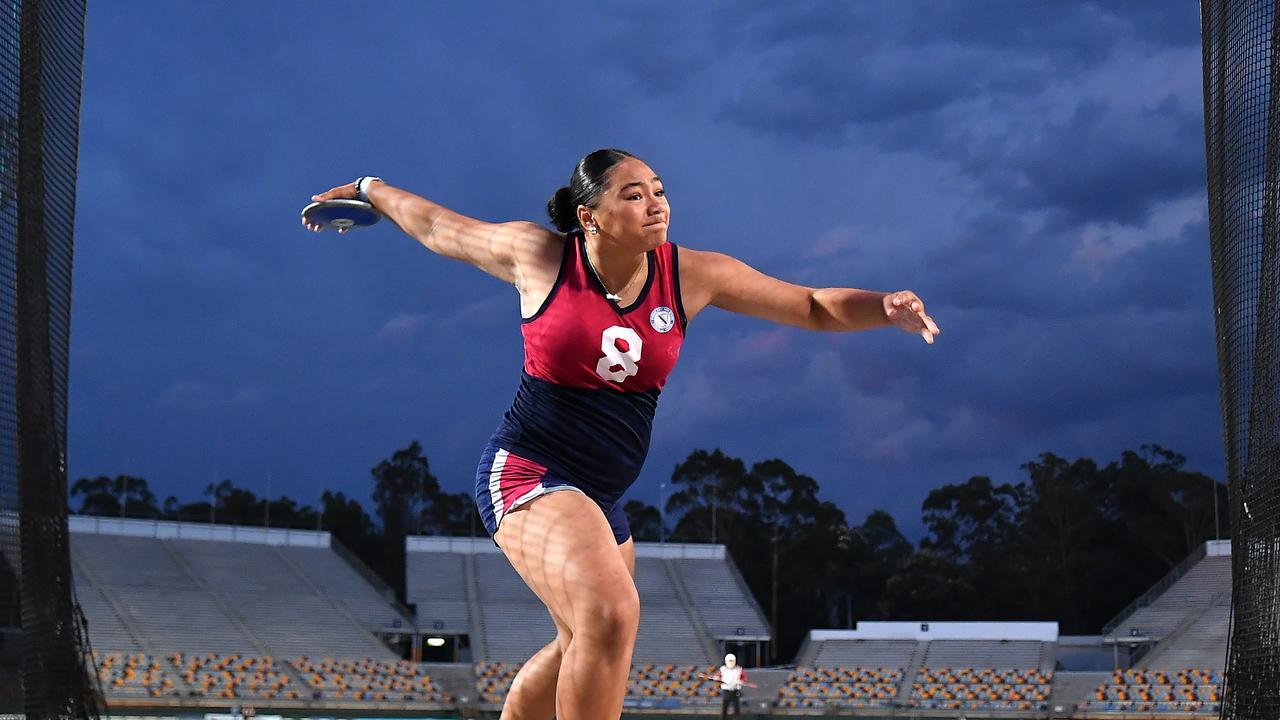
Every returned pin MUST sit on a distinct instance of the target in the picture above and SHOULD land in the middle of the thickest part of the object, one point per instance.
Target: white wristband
(362, 187)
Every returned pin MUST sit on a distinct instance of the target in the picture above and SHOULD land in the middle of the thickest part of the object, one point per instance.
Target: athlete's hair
(584, 188)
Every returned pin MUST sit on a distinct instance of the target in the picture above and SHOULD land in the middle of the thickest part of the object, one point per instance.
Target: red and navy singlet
(593, 371)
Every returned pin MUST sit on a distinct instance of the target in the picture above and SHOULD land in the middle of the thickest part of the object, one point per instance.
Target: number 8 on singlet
(614, 357)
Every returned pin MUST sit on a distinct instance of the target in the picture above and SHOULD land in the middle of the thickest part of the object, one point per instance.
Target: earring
(594, 230)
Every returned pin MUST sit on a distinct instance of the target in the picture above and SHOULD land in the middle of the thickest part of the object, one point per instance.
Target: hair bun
(562, 210)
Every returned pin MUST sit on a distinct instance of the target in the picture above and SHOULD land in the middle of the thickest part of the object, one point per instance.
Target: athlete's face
(633, 210)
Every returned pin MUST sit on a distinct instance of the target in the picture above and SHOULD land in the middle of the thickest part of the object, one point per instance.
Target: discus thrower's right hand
(342, 192)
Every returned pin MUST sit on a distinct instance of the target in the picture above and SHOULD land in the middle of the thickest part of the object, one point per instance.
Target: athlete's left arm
(711, 278)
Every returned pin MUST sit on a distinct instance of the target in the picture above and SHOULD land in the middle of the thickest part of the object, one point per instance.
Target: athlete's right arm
(504, 250)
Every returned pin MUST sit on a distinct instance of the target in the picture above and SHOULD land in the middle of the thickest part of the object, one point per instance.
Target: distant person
(732, 678)
(604, 302)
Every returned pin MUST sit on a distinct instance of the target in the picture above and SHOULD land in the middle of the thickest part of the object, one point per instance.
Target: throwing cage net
(1242, 141)
(41, 55)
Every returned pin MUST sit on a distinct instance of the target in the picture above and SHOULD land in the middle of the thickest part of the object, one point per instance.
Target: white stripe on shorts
(495, 484)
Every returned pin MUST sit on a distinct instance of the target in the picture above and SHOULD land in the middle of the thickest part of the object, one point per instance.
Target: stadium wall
(929, 630)
(167, 529)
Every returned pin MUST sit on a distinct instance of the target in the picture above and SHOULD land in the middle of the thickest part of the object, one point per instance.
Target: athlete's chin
(655, 235)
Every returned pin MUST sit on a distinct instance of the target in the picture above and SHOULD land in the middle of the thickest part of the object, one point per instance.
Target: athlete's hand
(905, 310)
(342, 192)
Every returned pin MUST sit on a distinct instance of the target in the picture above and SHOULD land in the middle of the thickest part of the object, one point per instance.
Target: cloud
(1104, 163)
(1089, 112)
(1104, 242)
(770, 342)
(898, 444)
(401, 326)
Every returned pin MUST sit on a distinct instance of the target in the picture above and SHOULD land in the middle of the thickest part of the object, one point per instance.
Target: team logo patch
(662, 319)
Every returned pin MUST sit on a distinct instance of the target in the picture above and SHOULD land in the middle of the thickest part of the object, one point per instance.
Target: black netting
(1242, 139)
(10, 614)
(41, 52)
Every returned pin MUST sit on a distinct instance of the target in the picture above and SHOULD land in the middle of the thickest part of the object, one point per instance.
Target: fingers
(909, 300)
(342, 192)
(928, 328)
(907, 312)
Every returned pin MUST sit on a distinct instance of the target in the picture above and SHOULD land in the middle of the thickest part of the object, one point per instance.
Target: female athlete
(605, 302)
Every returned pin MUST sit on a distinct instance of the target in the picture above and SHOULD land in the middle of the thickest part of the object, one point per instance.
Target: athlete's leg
(533, 692)
(563, 547)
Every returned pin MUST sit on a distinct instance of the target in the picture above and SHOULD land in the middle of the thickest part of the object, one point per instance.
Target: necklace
(616, 297)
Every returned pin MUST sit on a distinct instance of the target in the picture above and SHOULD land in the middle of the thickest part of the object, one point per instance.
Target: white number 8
(614, 357)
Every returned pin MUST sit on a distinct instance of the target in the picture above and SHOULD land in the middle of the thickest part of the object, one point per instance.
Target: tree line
(1072, 541)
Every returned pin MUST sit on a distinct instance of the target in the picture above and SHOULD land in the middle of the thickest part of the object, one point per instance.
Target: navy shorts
(505, 481)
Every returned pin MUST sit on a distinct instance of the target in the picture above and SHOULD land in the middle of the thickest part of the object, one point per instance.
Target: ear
(585, 218)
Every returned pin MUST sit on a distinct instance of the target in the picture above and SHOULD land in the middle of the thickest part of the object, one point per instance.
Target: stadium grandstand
(1166, 650)
(211, 616)
(1176, 638)
(927, 666)
(186, 613)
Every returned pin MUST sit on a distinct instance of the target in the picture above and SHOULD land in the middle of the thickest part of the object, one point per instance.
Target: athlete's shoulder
(539, 262)
(705, 262)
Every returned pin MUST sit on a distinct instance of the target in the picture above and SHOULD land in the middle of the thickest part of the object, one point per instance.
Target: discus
(340, 214)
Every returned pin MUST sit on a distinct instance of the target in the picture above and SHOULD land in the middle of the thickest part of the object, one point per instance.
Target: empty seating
(177, 618)
(493, 680)
(1202, 644)
(225, 597)
(516, 624)
(233, 676)
(118, 561)
(436, 584)
(368, 679)
(341, 584)
(134, 675)
(864, 653)
(853, 687)
(301, 624)
(981, 689)
(667, 635)
(1200, 588)
(1191, 690)
(684, 683)
(725, 606)
(106, 630)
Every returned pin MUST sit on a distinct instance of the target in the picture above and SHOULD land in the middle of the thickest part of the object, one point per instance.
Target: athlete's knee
(611, 618)
(561, 643)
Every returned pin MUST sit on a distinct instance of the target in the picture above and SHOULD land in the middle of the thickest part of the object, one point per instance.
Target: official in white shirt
(731, 679)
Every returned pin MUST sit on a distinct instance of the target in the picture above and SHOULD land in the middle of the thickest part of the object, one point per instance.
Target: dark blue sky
(1034, 170)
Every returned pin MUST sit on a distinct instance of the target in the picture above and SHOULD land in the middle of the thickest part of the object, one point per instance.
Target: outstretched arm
(709, 278)
(504, 250)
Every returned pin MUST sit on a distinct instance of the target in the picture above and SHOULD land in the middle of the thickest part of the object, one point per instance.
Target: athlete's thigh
(563, 548)
(628, 552)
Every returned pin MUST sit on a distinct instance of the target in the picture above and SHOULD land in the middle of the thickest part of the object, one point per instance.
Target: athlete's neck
(616, 270)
